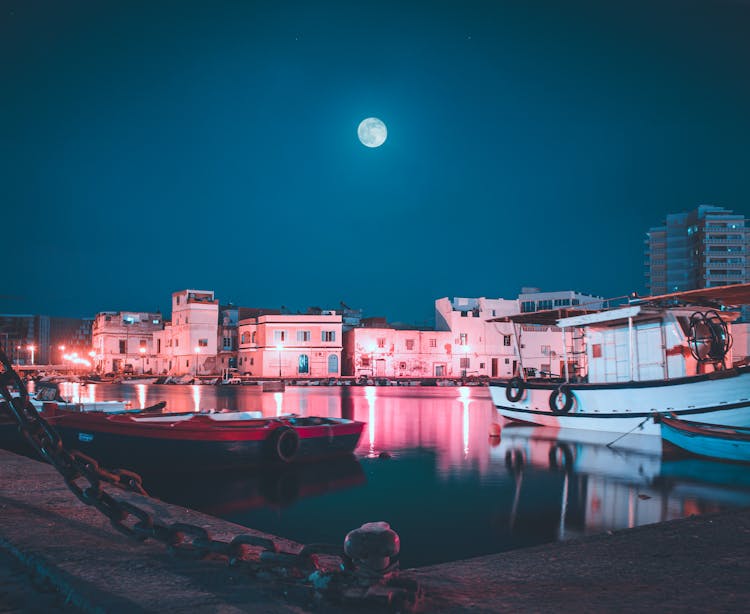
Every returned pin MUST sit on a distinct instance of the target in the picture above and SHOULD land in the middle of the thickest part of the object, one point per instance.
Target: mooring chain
(253, 553)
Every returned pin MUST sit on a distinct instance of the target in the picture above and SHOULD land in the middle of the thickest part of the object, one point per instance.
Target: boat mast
(565, 356)
(517, 335)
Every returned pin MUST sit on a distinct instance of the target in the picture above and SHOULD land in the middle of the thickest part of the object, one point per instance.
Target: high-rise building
(703, 248)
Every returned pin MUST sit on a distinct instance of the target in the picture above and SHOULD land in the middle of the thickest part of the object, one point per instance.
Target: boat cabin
(644, 343)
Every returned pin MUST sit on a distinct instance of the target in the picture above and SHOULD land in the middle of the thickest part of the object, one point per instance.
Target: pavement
(58, 554)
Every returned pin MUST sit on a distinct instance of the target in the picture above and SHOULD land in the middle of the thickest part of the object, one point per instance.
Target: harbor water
(427, 464)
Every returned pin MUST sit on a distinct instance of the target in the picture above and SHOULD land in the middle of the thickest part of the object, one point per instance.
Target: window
(122, 346)
(178, 300)
(333, 363)
(187, 319)
(410, 344)
(142, 343)
(507, 361)
(433, 343)
(481, 365)
(158, 346)
(177, 343)
(243, 338)
(303, 364)
(154, 321)
(365, 361)
(465, 363)
(279, 336)
(303, 335)
(506, 340)
(203, 343)
(381, 342)
(463, 338)
(545, 349)
(329, 335)
(252, 339)
(252, 361)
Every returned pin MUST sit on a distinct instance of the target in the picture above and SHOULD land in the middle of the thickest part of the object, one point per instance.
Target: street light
(279, 348)
(32, 349)
(197, 351)
(142, 350)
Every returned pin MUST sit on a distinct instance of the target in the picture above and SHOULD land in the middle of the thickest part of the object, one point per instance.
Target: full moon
(372, 132)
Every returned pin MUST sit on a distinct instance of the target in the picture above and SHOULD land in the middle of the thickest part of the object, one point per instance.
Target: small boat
(203, 440)
(49, 392)
(709, 440)
(621, 366)
(135, 381)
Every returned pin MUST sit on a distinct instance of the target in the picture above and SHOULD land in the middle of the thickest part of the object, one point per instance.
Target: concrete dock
(58, 554)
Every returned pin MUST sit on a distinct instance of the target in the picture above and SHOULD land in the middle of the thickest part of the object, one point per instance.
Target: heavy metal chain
(324, 569)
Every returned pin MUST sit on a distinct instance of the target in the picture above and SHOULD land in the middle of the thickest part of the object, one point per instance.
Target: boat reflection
(604, 487)
(227, 494)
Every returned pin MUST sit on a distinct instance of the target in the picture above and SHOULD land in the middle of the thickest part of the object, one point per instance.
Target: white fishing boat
(661, 354)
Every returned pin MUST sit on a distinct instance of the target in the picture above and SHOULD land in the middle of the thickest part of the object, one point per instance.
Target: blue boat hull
(711, 441)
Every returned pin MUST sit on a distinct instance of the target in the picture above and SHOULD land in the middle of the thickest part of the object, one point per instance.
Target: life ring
(515, 389)
(284, 444)
(561, 400)
(560, 457)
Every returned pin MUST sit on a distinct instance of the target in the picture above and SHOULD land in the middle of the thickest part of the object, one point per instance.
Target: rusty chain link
(255, 554)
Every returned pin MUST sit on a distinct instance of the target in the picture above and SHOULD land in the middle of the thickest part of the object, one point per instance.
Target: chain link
(338, 580)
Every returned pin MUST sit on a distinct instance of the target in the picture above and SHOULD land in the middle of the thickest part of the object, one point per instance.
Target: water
(449, 490)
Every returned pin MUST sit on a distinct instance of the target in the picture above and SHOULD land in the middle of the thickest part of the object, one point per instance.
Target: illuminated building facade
(291, 346)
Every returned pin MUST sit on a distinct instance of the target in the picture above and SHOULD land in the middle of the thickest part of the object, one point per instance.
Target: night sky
(149, 147)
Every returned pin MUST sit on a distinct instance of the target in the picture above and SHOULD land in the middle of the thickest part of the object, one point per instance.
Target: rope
(637, 426)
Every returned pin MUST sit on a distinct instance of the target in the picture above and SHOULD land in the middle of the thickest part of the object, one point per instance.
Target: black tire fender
(515, 390)
(284, 444)
(561, 400)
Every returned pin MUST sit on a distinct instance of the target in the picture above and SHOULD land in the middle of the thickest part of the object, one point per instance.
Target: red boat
(201, 440)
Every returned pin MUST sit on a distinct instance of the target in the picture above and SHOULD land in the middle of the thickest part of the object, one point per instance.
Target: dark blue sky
(149, 147)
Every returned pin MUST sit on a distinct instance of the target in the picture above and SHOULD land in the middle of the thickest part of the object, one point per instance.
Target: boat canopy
(601, 316)
(726, 296)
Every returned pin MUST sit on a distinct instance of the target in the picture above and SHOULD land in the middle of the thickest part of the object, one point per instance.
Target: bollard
(372, 547)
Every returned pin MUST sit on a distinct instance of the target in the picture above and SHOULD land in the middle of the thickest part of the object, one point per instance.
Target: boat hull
(721, 398)
(199, 441)
(707, 439)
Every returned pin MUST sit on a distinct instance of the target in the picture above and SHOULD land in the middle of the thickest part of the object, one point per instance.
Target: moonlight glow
(372, 132)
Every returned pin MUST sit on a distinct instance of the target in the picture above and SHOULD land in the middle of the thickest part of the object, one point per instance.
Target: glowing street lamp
(197, 351)
(142, 350)
(32, 349)
(279, 348)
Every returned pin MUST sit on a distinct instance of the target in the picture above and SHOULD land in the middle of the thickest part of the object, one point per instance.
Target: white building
(123, 341)
(388, 352)
(188, 345)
